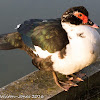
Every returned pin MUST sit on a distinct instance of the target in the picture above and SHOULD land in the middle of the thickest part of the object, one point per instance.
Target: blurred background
(14, 64)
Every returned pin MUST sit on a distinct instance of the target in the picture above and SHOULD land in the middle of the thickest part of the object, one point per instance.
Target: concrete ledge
(41, 84)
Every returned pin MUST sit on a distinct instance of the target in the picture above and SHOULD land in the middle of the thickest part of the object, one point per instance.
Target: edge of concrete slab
(40, 85)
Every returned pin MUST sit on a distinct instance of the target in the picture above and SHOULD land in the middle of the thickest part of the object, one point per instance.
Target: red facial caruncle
(81, 16)
(85, 19)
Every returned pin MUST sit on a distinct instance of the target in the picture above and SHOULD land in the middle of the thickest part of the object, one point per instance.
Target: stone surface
(41, 84)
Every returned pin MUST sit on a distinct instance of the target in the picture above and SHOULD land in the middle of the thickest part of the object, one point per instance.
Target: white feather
(41, 53)
(81, 52)
(18, 26)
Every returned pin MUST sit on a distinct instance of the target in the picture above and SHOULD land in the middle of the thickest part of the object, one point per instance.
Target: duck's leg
(64, 85)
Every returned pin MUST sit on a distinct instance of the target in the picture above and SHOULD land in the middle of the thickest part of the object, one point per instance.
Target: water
(15, 63)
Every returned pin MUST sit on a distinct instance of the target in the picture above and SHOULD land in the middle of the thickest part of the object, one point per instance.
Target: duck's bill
(95, 26)
(90, 23)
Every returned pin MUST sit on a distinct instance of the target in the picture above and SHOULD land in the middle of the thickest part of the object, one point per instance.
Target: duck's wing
(46, 34)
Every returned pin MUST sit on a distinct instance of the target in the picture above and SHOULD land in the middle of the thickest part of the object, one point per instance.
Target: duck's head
(77, 16)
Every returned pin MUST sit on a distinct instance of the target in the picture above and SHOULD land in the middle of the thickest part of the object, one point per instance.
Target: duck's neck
(75, 31)
(68, 27)
(72, 30)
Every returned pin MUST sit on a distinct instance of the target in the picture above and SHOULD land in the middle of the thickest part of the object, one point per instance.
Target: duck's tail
(10, 41)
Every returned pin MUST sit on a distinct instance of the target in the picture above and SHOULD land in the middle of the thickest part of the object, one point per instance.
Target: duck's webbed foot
(64, 85)
(77, 78)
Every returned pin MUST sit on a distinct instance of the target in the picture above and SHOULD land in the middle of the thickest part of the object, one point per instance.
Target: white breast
(81, 51)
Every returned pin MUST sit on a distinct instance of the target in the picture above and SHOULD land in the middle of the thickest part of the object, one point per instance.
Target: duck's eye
(80, 15)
